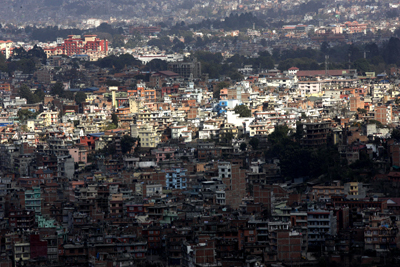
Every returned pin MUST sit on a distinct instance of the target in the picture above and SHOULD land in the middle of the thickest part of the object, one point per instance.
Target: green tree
(39, 95)
(110, 126)
(242, 110)
(127, 142)
(24, 128)
(24, 115)
(114, 119)
(3, 63)
(361, 65)
(156, 65)
(57, 89)
(25, 92)
(31, 98)
(80, 97)
(254, 142)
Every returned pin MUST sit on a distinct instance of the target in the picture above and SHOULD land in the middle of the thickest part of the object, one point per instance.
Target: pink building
(164, 153)
(79, 154)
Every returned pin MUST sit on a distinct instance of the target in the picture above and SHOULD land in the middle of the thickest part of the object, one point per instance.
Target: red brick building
(76, 45)
(286, 245)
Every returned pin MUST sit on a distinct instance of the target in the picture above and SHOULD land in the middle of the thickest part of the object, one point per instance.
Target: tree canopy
(127, 142)
(58, 89)
(80, 97)
(31, 98)
(242, 110)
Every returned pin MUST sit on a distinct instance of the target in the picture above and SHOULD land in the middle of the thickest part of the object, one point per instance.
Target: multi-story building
(316, 134)
(356, 103)
(22, 252)
(380, 234)
(76, 45)
(116, 206)
(181, 131)
(150, 190)
(383, 114)
(191, 69)
(324, 192)
(21, 219)
(47, 118)
(234, 178)
(148, 136)
(164, 153)
(33, 200)
(320, 223)
(298, 221)
(355, 190)
(176, 178)
(286, 245)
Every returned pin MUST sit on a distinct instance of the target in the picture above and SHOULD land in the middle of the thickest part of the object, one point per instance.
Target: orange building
(356, 103)
(143, 93)
(5, 87)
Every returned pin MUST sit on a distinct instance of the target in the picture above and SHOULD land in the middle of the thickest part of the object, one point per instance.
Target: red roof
(294, 68)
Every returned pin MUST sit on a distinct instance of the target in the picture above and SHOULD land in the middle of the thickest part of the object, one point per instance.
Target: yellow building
(134, 105)
(31, 125)
(47, 118)
(22, 252)
(355, 190)
(148, 136)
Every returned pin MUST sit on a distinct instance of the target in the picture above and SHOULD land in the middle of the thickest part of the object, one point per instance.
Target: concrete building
(176, 178)
(191, 69)
(355, 190)
(148, 136)
(383, 114)
(356, 103)
(33, 200)
(234, 178)
(88, 45)
(47, 118)
(320, 223)
(316, 134)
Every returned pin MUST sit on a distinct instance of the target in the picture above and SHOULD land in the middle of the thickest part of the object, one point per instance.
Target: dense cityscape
(199, 133)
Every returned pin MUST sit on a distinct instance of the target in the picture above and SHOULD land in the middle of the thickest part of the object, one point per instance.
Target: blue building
(176, 178)
(227, 104)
